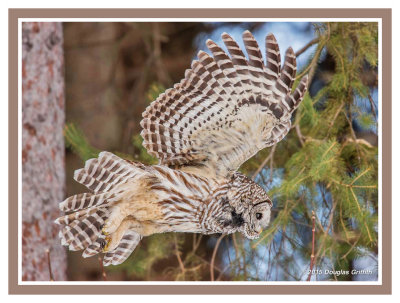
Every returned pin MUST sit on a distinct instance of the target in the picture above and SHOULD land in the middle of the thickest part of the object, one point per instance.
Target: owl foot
(113, 221)
(112, 239)
(107, 241)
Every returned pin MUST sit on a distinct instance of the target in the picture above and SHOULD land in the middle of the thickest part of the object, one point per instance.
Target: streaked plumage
(224, 111)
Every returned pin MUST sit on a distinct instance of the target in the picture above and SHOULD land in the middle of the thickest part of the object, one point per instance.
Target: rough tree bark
(43, 171)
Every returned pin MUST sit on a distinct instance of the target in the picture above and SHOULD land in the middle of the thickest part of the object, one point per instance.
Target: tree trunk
(43, 168)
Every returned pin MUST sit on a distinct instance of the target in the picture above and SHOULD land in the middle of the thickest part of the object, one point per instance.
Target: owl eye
(258, 216)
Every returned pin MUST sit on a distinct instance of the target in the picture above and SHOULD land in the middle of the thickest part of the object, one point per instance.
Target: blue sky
(294, 34)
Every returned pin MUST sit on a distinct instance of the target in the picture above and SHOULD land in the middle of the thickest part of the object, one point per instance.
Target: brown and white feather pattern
(226, 108)
(82, 228)
(152, 199)
(124, 249)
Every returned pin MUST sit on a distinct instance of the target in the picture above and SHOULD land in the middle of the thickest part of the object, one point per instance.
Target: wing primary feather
(228, 106)
(297, 96)
(253, 51)
(225, 64)
(212, 67)
(288, 72)
(239, 62)
(273, 57)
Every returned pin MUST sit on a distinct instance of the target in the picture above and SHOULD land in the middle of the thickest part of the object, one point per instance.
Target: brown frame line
(384, 14)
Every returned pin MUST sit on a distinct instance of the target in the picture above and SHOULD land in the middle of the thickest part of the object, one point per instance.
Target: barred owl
(225, 110)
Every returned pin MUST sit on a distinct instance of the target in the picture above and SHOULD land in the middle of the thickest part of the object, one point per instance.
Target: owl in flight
(224, 111)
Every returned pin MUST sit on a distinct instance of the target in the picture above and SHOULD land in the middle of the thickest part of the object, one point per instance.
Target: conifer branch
(342, 223)
(351, 248)
(328, 227)
(360, 175)
(334, 119)
(75, 139)
(353, 134)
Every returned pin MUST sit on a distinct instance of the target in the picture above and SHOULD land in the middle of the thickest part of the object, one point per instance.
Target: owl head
(251, 201)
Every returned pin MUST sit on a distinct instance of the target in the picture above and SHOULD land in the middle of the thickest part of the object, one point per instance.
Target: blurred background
(324, 174)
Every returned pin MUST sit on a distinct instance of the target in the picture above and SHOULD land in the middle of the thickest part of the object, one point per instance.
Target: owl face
(258, 219)
(252, 202)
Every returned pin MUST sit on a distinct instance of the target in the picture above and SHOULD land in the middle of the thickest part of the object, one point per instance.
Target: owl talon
(106, 244)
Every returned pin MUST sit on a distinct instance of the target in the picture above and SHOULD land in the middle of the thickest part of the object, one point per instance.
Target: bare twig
(112, 41)
(161, 73)
(321, 253)
(312, 261)
(49, 265)
(310, 69)
(214, 255)
(360, 141)
(103, 273)
(307, 46)
(372, 105)
(178, 256)
(235, 245)
(299, 134)
(222, 272)
(196, 244)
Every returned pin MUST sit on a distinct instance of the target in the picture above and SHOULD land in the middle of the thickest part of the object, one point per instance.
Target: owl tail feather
(85, 234)
(82, 228)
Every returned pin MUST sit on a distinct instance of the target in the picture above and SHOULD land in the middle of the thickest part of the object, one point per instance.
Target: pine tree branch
(328, 227)
(334, 119)
(360, 175)
(76, 140)
(353, 134)
(351, 248)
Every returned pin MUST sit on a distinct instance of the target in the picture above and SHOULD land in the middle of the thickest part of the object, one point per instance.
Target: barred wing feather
(226, 109)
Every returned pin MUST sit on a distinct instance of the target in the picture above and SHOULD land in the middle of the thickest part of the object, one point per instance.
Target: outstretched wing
(225, 110)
